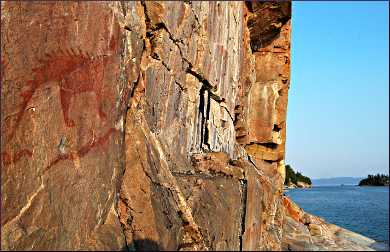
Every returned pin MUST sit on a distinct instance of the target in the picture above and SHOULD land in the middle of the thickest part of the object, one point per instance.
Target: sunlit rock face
(205, 129)
(65, 72)
(144, 125)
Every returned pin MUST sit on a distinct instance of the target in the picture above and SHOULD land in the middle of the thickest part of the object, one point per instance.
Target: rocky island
(296, 179)
(149, 126)
(375, 180)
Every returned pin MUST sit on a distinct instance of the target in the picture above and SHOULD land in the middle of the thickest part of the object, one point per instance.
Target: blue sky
(338, 108)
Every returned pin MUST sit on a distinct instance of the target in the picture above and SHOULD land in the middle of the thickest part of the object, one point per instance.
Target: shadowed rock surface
(146, 126)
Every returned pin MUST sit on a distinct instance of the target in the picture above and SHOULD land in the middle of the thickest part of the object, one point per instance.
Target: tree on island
(375, 180)
(292, 177)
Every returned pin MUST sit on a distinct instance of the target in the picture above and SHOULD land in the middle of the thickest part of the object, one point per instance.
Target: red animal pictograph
(75, 72)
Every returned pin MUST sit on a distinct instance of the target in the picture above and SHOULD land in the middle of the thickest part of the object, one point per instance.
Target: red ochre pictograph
(6, 158)
(75, 72)
(101, 141)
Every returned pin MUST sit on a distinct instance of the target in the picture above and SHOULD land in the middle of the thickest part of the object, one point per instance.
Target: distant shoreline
(373, 185)
(350, 185)
(317, 186)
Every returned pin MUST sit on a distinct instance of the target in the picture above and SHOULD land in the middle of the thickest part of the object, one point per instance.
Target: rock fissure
(205, 83)
(206, 135)
(174, 116)
(243, 211)
(195, 15)
(26, 206)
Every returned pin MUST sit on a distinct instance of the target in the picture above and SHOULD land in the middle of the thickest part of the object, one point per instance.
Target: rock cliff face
(143, 125)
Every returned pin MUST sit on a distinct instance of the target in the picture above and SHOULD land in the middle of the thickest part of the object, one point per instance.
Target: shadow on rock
(143, 245)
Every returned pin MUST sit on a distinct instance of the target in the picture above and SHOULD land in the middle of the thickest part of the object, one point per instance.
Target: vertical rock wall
(143, 125)
(65, 75)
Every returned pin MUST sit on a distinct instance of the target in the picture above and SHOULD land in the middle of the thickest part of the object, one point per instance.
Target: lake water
(364, 210)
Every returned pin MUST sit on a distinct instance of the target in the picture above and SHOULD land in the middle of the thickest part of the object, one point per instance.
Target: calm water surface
(364, 210)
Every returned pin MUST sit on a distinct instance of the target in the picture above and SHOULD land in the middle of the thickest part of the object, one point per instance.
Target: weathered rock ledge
(305, 232)
(147, 126)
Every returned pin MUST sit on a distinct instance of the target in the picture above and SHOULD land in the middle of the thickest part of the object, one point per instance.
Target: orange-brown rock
(63, 101)
(121, 126)
(147, 126)
(292, 209)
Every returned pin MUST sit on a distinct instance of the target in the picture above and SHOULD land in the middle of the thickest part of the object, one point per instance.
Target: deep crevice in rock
(243, 210)
(272, 146)
(206, 84)
(207, 117)
(204, 111)
(276, 128)
(269, 161)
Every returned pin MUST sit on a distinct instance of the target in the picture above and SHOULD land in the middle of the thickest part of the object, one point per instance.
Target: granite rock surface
(146, 126)
(305, 232)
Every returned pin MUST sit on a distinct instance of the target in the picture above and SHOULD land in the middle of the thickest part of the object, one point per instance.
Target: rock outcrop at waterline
(305, 232)
(143, 125)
